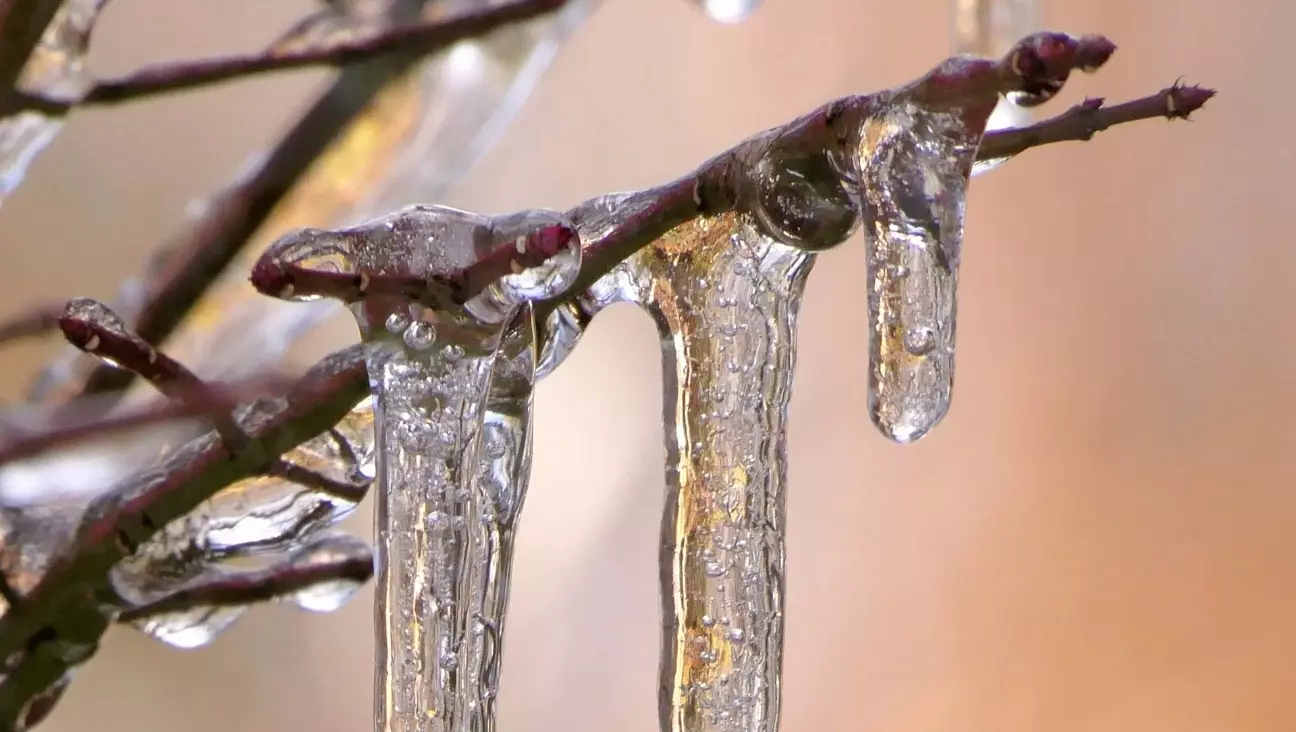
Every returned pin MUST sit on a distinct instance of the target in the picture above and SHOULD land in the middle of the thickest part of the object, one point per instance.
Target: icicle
(453, 393)
(912, 165)
(728, 11)
(726, 297)
(990, 28)
(56, 69)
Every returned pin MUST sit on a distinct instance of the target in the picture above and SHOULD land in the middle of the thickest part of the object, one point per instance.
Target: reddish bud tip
(76, 331)
(552, 240)
(270, 277)
(1093, 51)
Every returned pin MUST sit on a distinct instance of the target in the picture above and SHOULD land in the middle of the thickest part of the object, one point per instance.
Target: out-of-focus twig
(421, 38)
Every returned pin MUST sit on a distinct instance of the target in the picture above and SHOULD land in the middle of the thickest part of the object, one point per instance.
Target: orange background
(1102, 534)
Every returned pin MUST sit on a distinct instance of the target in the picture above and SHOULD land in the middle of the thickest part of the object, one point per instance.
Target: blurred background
(1100, 536)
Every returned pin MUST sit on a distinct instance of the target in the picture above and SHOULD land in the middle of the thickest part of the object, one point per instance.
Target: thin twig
(275, 276)
(423, 39)
(94, 328)
(59, 608)
(258, 585)
(1090, 117)
(36, 321)
(209, 400)
(351, 491)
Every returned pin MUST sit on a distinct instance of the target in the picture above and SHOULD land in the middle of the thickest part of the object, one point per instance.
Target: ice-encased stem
(990, 28)
(454, 458)
(913, 166)
(726, 299)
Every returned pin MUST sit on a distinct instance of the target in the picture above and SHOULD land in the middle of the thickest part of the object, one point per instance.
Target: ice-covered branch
(420, 38)
(57, 622)
(331, 565)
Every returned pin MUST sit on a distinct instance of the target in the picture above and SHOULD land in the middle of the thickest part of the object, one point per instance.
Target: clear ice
(56, 69)
(911, 168)
(728, 11)
(452, 393)
(725, 292)
(990, 28)
(260, 517)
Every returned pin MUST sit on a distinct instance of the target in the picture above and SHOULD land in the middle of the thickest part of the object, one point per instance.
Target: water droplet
(420, 335)
(398, 321)
(326, 597)
(191, 628)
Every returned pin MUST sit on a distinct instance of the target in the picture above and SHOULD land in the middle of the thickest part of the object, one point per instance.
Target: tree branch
(37, 321)
(60, 612)
(422, 39)
(284, 578)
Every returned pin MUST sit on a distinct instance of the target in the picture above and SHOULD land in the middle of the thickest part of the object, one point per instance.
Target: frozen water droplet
(191, 628)
(420, 335)
(331, 551)
(728, 11)
(397, 322)
(562, 331)
(912, 166)
(534, 232)
(448, 661)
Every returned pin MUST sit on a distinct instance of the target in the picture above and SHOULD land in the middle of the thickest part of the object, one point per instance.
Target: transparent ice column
(725, 291)
(452, 392)
(911, 166)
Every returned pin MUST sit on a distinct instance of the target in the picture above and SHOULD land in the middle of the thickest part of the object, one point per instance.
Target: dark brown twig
(95, 329)
(422, 38)
(351, 491)
(1090, 117)
(36, 321)
(274, 276)
(248, 587)
(211, 399)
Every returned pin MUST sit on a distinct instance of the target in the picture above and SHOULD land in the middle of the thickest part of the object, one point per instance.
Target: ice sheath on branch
(719, 258)
(451, 358)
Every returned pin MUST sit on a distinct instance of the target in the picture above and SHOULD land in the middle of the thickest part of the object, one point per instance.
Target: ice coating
(196, 623)
(452, 392)
(55, 69)
(728, 11)
(725, 296)
(990, 28)
(913, 166)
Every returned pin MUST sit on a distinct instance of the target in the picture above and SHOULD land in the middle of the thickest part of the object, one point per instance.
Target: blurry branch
(35, 321)
(422, 39)
(183, 271)
(22, 23)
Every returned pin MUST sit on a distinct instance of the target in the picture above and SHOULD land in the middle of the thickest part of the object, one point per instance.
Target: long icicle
(452, 395)
(726, 298)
